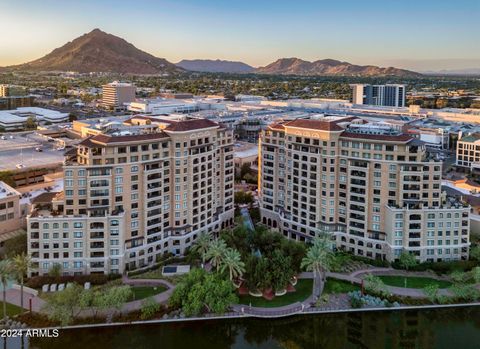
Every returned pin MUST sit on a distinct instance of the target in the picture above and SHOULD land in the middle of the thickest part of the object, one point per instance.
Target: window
(78, 234)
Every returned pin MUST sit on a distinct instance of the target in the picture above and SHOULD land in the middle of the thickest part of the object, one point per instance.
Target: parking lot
(21, 150)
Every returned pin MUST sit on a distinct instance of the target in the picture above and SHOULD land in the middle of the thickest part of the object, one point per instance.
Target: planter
(255, 293)
(281, 292)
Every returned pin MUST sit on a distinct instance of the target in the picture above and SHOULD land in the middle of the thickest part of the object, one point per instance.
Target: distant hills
(215, 66)
(98, 51)
(329, 67)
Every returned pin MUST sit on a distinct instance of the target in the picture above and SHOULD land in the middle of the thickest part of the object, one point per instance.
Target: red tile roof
(189, 125)
(107, 139)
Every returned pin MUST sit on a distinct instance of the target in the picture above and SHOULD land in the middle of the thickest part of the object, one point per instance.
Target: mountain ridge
(215, 66)
(98, 51)
(329, 67)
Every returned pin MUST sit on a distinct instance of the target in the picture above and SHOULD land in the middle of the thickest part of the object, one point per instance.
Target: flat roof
(6, 190)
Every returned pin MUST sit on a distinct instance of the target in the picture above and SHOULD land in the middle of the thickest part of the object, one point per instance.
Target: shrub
(149, 308)
(95, 279)
(441, 267)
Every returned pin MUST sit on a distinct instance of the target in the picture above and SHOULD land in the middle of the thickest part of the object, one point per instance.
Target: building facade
(10, 211)
(133, 194)
(390, 95)
(116, 94)
(375, 190)
(468, 151)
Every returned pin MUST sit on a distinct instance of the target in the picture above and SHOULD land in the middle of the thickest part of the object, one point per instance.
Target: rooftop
(6, 190)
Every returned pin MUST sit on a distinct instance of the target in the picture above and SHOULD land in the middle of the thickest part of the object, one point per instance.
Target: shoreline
(307, 311)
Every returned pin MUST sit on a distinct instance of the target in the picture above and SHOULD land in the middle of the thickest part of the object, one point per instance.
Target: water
(439, 329)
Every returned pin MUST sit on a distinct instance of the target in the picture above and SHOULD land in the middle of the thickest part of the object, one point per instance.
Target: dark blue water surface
(457, 328)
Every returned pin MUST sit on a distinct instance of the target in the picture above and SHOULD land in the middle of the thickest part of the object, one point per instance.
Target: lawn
(11, 309)
(413, 281)
(303, 291)
(141, 292)
(334, 286)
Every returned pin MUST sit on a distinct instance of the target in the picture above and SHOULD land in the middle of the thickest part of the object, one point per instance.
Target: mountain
(297, 66)
(467, 71)
(215, 66)
(98, 51)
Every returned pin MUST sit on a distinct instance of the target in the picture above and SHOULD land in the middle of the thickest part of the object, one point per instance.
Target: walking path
(13, 296)
(340, 301)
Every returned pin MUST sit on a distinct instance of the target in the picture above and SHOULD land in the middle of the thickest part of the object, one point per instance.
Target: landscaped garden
(141, 292)
(12, 309)
(334, 286)
(413, 281)
(303, 290)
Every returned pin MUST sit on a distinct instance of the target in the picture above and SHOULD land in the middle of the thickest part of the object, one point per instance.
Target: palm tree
(202, 245)
(21, 264)
(5, 274)
(233, 262)
(319, 258)
(216, 252)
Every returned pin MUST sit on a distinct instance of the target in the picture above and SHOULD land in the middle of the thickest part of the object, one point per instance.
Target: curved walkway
(13, 297)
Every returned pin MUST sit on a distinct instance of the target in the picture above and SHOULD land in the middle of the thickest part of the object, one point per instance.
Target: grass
(303, 291)
(412, 281)
(11, 309)
(334, 286)
(141, 292)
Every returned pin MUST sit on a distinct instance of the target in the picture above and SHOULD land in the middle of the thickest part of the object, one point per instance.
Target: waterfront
(426, 329)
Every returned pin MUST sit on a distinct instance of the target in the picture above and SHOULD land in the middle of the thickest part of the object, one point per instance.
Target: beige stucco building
(134, 193)
(10, 212)
(376, 190)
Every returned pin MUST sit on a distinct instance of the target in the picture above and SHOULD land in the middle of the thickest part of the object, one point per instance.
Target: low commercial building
(16, 119)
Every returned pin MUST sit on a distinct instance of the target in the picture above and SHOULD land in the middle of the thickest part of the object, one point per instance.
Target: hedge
(441, 267)
(95, 279)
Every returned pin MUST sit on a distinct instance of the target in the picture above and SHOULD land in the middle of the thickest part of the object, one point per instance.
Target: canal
(439, 329)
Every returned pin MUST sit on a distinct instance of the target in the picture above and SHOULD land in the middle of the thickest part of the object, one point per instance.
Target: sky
(414, 34)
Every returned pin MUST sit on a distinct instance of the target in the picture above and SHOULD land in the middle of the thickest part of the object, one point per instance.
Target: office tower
(375, 190)
(133, 193)
(115, 94)
(381, 95)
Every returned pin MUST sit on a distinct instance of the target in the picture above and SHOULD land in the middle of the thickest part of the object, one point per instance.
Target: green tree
(431, 291)
(244, 170)
(233, 262)
(30, 123)
(373, 284)
(216, 253)
(200, 291)
(21, 264)
(55, 271)
(64, 306)
(476, 274)
(149, 308)
(458, 276)
(6, 270)
(319, 258)
(16, 245)
(475, 252)
(202, 244)
(407, 260)
(114, 297)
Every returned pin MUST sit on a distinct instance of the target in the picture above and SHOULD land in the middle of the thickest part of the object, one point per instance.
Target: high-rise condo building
(375, 190)
(133, 193)
(392, 95)
(115, 94)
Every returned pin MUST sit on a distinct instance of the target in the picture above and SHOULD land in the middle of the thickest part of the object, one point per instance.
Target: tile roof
(189, 125)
